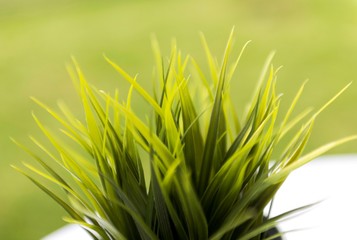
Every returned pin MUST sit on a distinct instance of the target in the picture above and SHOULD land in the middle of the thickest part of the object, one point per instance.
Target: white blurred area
(69, 232)
(330, 179)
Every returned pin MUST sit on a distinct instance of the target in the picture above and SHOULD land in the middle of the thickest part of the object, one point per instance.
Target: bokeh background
(314, 39)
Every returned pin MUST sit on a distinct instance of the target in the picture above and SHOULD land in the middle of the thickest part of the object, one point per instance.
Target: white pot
(332, 179)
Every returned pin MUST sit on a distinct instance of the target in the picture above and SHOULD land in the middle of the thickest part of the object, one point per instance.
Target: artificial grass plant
(193, 169)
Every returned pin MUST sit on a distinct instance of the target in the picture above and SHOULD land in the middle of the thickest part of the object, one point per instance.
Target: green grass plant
(192, 169)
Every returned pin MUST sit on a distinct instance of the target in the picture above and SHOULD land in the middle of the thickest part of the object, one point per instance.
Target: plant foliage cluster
(194, 169)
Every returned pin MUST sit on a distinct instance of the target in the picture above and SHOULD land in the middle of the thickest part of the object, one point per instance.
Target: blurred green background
(315, 39)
